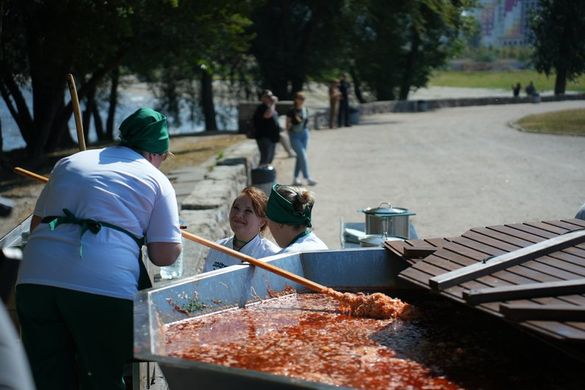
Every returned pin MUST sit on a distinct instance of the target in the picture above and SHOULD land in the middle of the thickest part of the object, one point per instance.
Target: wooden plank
(490, 241)
(522, 312)
(418, 252)
(575, 221)
(576, 250)
(548, 227)
(533, 272)
(533, 230)
(473, 271)
(478, 246)
(546, 270)
(568, 258)
(503, 237)
(415, 276)
(563, 225)
(464, 251)
(533, 290)
(556, 329)
(517, 233)
(563, 265)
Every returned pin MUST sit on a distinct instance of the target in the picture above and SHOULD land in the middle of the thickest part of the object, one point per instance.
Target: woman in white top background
(247, 220)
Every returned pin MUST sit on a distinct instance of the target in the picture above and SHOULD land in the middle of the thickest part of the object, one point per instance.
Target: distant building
(504, 22)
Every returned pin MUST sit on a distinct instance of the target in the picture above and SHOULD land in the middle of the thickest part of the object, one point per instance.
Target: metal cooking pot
(387, 220)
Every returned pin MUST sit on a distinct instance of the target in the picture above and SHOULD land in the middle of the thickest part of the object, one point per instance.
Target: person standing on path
(343, 115)
(296, 125)
(267, 129)
(82, 265)
(334, 96)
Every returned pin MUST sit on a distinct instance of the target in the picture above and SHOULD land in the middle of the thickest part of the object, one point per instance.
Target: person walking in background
(581, 213)
(343, 115)
(82, 265)
(296, 124)
(516, 89)
(334, 96)
(531, 90)
(248, 221)
(285, 142)
(267, 129)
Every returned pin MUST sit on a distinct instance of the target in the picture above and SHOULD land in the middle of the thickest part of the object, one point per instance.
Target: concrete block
(210, 194)
(211, 224)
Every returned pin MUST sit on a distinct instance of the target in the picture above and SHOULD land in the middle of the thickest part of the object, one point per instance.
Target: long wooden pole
(210, 244)
(76, 111)
(261, 264)
(375, 305)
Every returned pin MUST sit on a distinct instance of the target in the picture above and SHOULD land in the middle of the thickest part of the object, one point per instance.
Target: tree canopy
(176, 44)
(559, 47)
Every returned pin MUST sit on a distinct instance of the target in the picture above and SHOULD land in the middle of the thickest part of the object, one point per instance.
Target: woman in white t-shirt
(289, 219)
(81, 267)
(247, 220)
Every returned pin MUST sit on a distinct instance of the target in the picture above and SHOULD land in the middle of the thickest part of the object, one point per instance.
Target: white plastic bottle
(175, 270)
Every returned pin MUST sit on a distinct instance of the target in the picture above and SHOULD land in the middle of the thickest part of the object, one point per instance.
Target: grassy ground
(569, 122)
(500, 80)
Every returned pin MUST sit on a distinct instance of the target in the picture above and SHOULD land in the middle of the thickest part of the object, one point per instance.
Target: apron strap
(94, 227)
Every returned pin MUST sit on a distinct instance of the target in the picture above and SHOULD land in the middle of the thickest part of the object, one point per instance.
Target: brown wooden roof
(541, 289)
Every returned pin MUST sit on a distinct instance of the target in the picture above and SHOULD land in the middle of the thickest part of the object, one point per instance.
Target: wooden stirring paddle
(376, 305)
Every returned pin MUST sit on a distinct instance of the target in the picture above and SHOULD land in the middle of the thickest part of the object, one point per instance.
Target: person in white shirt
(81, 267)
(289, 219)
(248, 221)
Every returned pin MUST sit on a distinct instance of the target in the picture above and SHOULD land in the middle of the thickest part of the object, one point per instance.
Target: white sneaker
(297, 182)
(311, 182)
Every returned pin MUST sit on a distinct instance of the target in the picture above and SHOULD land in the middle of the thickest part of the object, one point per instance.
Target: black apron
(95, 226)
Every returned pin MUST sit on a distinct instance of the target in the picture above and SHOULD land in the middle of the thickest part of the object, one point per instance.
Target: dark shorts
(75, 340)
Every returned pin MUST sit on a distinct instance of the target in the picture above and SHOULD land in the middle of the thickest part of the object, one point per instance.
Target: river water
(130, 99)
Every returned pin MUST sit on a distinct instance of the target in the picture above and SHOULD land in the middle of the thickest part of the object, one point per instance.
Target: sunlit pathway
(456, 168)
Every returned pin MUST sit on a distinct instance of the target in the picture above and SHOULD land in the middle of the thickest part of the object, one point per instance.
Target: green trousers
(75, 340)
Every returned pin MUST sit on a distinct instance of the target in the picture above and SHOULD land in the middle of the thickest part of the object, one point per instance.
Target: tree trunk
(48, 101)
(561, 81)
(297, 85)
(98, 124)
(18, 108)
(357, 87)
(113, 102)
(207, 100)
(409, 69)
(87, 113)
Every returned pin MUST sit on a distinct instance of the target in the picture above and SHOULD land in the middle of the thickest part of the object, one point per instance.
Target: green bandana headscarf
(280, 210)
(145, 130)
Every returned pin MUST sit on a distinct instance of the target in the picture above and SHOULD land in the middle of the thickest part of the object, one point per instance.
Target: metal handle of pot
(388, 203)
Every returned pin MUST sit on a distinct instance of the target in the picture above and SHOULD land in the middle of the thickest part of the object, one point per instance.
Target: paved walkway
(456, 168)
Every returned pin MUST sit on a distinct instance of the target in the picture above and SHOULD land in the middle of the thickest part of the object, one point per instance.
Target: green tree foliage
(398, 43)
(298, 40)
(43, 40)
(559, 44)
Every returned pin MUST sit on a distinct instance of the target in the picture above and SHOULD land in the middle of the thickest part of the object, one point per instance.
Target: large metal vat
(366, 269)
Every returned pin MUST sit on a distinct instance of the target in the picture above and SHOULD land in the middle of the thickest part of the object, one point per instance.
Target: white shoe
(297, 182)
(311, 182)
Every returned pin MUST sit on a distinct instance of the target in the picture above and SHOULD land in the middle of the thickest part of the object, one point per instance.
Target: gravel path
(456, 168)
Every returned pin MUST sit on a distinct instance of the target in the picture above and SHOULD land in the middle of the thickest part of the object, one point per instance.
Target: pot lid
(385, 209)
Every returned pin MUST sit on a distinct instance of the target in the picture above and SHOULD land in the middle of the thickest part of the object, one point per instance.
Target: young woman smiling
(247, 220)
